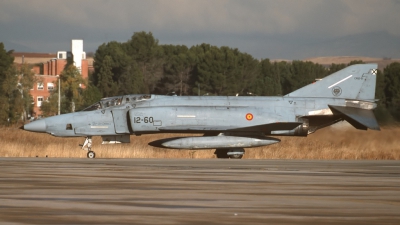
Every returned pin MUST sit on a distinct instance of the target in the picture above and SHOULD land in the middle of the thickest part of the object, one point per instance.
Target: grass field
(330, 143)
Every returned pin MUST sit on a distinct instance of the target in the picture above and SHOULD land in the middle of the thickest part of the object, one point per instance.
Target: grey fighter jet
(228, 123)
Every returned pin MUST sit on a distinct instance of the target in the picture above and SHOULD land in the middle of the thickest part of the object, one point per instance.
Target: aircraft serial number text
(143, 119)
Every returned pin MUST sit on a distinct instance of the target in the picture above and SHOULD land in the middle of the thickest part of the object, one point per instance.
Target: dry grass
(329, 143)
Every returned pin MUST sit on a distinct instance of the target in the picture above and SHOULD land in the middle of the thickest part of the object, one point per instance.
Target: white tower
(78, 54)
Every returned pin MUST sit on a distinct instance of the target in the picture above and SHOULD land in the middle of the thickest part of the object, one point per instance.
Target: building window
(50, 86)
(39, 101)
(40, 86)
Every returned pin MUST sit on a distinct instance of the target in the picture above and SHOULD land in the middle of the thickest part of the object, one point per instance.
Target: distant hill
(328, 60)
(378, 44)
(382, 62)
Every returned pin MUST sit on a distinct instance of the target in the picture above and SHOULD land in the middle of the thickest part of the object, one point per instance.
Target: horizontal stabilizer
(359, 118)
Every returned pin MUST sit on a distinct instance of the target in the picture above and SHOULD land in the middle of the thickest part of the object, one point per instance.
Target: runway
(188, 191)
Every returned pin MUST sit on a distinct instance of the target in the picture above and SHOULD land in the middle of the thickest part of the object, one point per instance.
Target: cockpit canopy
(116, 101)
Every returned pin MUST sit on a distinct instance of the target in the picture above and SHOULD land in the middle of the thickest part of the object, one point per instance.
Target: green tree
(333, 68)
(392, 89)
(209, 72)
(71, 82)
(305, 73)
(25, 84)
(242, 70)
(50, 106)
(72, 98)
(179, 63)
(381, 112)
(268, 81)
(117, 61)
(131, 81)
(355, 62)
(144, 49)
(6, 62)
(301, 74)
(105, 83)
(9, 96)
(223, 71)
(8, 85)
(90, 95)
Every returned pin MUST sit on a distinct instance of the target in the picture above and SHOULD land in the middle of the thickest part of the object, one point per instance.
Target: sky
(284, 29)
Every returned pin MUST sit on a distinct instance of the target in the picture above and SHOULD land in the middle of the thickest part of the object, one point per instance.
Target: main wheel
(235, 153)
(236, 156)
(91, 155)
(221, 153)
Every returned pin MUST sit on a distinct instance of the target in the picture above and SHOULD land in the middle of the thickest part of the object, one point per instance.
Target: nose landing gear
(91, 154)
(87, 145)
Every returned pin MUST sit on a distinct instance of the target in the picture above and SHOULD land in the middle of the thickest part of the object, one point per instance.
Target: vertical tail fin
(353, 82)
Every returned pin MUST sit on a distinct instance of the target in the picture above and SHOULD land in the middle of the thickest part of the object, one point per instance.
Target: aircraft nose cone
(36, 126)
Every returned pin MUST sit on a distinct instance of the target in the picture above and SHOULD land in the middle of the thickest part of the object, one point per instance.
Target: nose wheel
(91, 154)
(87, 145)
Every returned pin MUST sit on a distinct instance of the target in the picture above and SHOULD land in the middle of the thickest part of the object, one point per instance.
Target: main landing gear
(87, 145)
(233, 153)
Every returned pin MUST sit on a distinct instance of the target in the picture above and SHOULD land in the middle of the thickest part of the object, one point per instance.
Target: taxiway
(188, 191)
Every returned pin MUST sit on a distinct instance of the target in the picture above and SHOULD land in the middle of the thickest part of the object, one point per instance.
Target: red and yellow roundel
(249, 116)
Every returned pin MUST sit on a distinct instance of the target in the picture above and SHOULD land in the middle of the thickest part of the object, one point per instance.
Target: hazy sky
(290, 29)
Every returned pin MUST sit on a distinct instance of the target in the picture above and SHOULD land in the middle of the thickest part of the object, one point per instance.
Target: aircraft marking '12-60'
(229, 123)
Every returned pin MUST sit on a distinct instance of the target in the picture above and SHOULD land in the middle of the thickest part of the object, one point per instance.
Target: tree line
(142, 65)
(15, 85)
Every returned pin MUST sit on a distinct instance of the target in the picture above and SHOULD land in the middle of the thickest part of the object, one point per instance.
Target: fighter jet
(228, 124)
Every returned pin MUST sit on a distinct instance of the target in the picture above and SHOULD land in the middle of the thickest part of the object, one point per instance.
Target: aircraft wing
(195, 128)
(264, 128)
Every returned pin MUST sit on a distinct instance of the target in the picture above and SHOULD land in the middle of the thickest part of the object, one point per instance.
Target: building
(47, 71)
(42, 90)
(56, 65)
